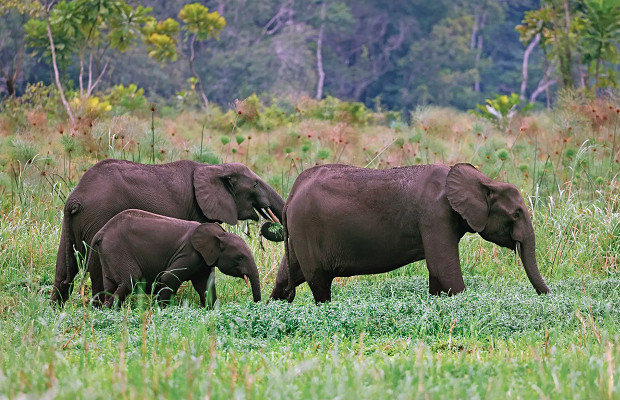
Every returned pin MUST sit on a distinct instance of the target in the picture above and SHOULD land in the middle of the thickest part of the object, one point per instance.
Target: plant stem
(202, 136)
(612, 157)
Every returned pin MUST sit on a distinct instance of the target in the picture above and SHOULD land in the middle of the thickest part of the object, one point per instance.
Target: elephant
(183, 189)
(162, 252)
(342, 220)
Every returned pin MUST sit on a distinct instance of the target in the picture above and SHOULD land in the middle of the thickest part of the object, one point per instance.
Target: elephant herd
(158, 225)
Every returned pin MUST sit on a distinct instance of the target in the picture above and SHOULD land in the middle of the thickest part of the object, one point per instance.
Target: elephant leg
(96, 279)
(321, 287)
(288, 278)
(167, 285)
(442, 261)
(109, 288)
(204, 284)
(121, 293)
(434, 286)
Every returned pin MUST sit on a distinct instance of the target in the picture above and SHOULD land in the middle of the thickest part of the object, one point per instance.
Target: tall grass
(382, 336)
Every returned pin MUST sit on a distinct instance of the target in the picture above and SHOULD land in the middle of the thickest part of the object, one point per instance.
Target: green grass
(382, 336)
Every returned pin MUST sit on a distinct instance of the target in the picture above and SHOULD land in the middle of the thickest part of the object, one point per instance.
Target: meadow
(382, 336)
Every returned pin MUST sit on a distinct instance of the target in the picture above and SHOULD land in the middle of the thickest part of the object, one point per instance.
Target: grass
(382, 336)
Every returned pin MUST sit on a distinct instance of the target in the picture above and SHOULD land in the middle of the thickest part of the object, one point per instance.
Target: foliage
(126, 99)
(161, 39)
(501, 109)
(601, 40)
(200, 22)
(440, 53)
(590, 29)
(83, 27)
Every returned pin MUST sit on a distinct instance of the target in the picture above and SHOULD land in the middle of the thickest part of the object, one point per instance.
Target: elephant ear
(213, 190)
(206, 239)
(467, 190)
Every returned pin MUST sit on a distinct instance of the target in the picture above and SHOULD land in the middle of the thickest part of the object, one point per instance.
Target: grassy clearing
(382, 336)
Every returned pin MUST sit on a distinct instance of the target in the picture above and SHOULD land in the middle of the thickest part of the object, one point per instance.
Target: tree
(200, 25)
(600, 38)
(573, 35)
(330, 18)
(13, 16)
(91, 30)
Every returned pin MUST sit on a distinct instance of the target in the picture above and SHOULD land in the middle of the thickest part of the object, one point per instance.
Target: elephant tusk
(247, 283)
(518, 248)
(272, 215)
(262, 213)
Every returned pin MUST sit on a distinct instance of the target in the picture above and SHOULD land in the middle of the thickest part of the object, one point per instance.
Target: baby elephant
(138, 246)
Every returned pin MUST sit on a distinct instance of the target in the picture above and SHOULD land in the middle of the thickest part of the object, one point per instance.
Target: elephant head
(230, 192)
(228, 252)
(496, 211)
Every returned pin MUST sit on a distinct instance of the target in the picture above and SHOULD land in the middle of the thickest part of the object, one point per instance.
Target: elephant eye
(516, 214)
(255, 184)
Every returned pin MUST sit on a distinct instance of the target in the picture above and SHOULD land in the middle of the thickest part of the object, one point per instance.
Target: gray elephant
(342, 221)
(183, 189)
(137, 246)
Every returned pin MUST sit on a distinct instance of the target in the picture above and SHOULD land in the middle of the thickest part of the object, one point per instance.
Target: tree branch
(541, 88)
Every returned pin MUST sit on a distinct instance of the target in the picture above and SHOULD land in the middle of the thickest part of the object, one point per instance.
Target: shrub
(125, 99)
(501, 109)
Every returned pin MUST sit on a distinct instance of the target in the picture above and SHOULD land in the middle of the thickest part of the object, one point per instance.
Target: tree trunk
(478, 25)
(319, 56)
(526, 58)
(199, 89)
(56, 73)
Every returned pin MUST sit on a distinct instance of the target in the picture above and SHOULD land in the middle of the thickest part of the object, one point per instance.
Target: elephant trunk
(276, 202)
(527, 252)
(255, 284)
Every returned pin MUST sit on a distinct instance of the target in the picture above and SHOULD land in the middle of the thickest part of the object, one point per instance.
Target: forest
(522, 94)
(390, 54)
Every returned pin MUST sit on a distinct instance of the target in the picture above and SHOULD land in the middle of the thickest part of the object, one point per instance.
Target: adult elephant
(342, 221)
(183, 189)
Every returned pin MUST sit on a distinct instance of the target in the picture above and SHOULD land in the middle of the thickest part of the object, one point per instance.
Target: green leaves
(501, 109)
(161, 39)
(200, 22)
(86, 27)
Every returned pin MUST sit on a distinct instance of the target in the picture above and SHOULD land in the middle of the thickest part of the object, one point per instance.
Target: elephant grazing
(163, 252)
(342, 221)
(183, 189)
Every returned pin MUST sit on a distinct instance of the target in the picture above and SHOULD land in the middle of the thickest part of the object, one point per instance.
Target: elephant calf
(341, 221)
(139, 246)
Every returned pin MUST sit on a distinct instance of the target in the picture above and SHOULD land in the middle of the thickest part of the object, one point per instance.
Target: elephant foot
(60, 294)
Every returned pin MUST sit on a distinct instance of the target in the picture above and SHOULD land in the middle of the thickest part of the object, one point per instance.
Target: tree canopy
(383, 53)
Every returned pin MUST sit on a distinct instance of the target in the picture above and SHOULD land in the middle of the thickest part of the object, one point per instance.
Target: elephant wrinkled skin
(183, 189)
(162, 252)
(342, 220)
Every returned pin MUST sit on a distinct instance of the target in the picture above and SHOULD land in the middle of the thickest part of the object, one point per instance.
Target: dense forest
(389, 54)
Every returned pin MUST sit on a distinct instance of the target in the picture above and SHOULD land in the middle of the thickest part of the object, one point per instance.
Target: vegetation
(381, 333)
(444, 53)
(381, 77)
